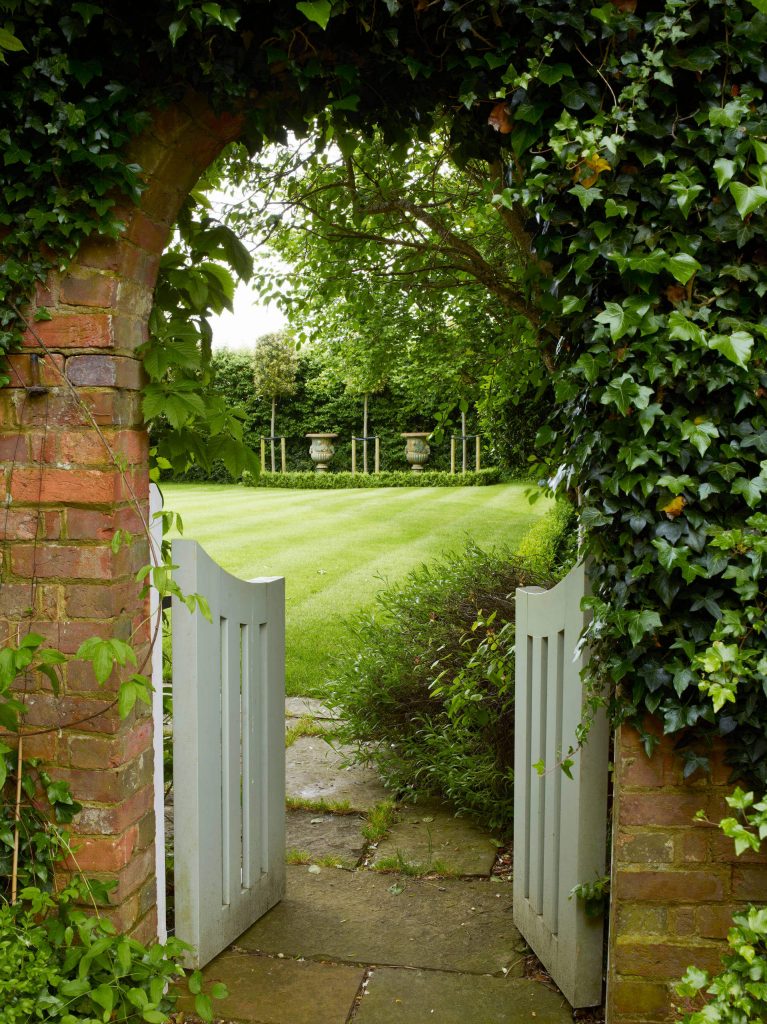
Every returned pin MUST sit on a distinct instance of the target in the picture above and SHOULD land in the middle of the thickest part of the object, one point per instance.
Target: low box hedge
(388, 478)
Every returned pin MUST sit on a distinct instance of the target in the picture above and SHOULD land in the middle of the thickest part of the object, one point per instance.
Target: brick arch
(65, 498)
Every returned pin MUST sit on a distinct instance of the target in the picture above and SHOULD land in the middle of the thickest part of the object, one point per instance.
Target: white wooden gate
(228, 752)
(559, 823)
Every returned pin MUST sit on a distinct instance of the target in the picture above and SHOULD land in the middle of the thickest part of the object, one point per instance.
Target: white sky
(250, 319)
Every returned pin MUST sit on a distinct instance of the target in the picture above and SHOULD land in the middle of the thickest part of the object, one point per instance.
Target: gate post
(675, 882)
(74, 386)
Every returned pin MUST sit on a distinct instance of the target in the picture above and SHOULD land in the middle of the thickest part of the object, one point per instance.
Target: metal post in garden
(452, 454)
(377, 455)
(354, 454)
(263, 454)
(476, 453)
(283, 459)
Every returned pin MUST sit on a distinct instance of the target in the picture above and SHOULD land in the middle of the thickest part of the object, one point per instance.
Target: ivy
(633, 144)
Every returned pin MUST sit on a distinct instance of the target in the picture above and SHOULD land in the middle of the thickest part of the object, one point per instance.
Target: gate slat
(228, 752)
(559, 823)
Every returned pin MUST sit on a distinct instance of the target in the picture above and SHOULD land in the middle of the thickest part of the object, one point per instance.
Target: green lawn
(337, 548)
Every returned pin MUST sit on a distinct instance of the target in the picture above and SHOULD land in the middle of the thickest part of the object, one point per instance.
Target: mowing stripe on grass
(336, 549)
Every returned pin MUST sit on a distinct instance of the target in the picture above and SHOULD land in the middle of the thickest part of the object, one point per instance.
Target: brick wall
(64, 498)
(675, 882)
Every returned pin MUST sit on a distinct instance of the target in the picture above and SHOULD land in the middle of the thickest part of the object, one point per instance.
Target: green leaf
(317, 11)
(8, 41)
(724, 170)
(736, 347)
(747, 197)
(640, 623)
(202, 1003)
(682, 267)
(624, 392)
(194, 982)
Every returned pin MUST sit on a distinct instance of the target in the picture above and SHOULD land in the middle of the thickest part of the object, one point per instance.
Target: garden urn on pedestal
(321, 450)
(417, 451)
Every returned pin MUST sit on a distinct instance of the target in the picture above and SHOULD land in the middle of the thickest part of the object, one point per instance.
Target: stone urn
(321, 450)
(417, 451)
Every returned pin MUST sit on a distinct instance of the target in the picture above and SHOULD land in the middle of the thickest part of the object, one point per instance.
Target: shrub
(333, 481)
(426, 689)
(550, 546)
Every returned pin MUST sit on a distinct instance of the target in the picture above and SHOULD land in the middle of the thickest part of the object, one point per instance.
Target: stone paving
(413, 929)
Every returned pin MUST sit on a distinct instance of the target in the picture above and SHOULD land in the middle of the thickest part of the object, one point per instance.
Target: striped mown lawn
(337, 548)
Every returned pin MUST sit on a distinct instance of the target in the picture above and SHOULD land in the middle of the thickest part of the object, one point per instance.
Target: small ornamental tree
(275, 366)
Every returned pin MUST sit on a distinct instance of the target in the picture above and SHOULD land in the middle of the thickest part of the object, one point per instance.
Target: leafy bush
(61, 964)
(423, 694)
(550, 546)
(426, 688)
(739, 992)
(332, 481)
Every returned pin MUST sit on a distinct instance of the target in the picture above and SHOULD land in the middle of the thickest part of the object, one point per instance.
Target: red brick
(683, 922)
(749, 883)
(670, 886)
(145, 931)
(18, 524)
(100, 253)
(49, 373)
(692, 847)
(714, 922)
(13, 448)
(112, 819)
(133, 876)
(147, 234)
(94, 290)
(645, 848)
(42, 444)
(131, 331)
(660, 808)
(101, 853)
(45, 711)
(105, 371)
(111, 785)
(51, 561)
(88, 330)
(665, 961)
(112, 408)
(45, 294)
(96, 601)
(17, 600)
(110, 751)
(49, 484)
(639, 997)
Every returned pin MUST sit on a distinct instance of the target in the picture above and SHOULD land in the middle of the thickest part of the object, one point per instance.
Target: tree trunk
(365, 434)
(274, 409)
(463, 442)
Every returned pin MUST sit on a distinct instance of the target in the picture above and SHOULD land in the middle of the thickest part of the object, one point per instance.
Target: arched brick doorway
(74, 394)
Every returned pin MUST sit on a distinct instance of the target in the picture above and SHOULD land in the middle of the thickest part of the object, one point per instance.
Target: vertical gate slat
(228, 754)
(559, 823)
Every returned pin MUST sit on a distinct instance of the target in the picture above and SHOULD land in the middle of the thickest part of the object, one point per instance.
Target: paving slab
(430, 997)
(365, 917)
(428, 833)
(307, 707)
(266, 991)
(325, 835)
(315, 770)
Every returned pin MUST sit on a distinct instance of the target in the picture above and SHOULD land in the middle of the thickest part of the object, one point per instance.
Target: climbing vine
(633, 140)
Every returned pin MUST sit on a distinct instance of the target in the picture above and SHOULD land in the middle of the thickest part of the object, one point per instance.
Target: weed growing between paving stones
(413, 869)
(304, 727)
(321, 806)
(329, 860)
(380, 819)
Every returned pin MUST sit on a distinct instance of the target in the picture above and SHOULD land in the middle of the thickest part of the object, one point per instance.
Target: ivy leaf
(624, 392)
(318, 12)
(724, 170)
(10, 42)
(751, 490)
(699, 434)
(747, 197)
(736, 346)
(642, 622)
(682, 267)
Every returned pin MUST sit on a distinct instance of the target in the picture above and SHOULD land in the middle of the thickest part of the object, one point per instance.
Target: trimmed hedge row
(388, 478)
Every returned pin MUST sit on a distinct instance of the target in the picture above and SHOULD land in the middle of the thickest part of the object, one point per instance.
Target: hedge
(388, 478)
